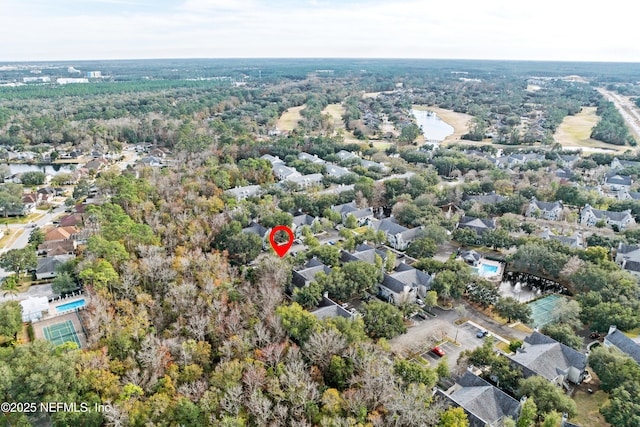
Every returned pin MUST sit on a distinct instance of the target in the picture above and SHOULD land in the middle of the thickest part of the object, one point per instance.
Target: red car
(437, 350)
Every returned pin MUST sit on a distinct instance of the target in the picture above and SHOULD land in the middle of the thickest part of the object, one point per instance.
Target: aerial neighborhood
(488, 275)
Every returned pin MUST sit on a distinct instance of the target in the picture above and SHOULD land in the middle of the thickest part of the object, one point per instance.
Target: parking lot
(425, 334)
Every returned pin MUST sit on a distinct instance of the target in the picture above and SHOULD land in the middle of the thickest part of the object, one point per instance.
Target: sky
(564, 30)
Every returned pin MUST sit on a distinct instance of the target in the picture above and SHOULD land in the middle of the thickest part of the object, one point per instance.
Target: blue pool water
(485, 270)
(70, 305)
(489, 269)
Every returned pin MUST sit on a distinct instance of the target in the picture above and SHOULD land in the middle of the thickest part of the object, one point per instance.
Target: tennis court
(61, 332)
(542, 308)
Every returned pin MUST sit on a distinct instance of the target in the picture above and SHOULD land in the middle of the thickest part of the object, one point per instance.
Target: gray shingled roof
(547, 357)
(390, 227)
(625, 249)
(485, 198)
(546, 206)
(625, 344)
(308, 273)
(617, 179)
(483, 403)
(478, 224)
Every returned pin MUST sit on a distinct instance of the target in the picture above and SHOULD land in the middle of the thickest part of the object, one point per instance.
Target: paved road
(34, 291)
(23, 239)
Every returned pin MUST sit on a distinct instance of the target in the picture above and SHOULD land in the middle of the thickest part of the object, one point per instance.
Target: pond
(47, 169)
(434, 128)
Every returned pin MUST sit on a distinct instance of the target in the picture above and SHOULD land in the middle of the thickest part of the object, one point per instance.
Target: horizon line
(275, 58)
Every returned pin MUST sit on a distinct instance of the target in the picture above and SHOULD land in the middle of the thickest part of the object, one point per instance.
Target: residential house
(363, 252)
(311, 158)
(284, 172)
(73, 219)
(46, 268)
(574, 242)
(300, 221)
(29, 202)
(627, 252)
(544, 356)
(484, 404)
(58, 247)
(152, 161)
(60, 234)
(484, 199)
(371, 164)
(273, 160)
(96, 164)
(307, 274)
(336, 171)
(241, 193)
(470, 257)
(564, 174)
(617, 164)
(628, 195)
(617, 182)
(479, 225)
(47, 193)
(362, 216)
(329, 308)
(399, 237)
(344, 155)
(404, 285)
(590, 216)
(568, 160)
(616, 339)
(551, 211)
(258, 230)
(305, 181)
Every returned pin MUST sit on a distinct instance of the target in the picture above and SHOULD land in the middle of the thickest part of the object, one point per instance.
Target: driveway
(33, 291)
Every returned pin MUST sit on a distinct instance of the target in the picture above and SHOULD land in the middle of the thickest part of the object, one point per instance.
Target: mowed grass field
(290, 118)
(335, 111)
(575, 131)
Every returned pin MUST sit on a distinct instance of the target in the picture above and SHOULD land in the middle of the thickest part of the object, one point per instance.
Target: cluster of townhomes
(486, 405)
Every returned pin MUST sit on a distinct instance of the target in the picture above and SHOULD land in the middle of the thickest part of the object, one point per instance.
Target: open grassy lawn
(335, 111)
(575, 131)
(22, 219)
(589, 408)
(10, 236)
(290, 118)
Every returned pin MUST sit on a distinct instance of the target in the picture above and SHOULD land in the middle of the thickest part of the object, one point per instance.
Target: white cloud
(492, 29)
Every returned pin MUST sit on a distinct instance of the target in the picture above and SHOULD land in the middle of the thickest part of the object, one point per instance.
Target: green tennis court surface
(542, 308)
(61, 333)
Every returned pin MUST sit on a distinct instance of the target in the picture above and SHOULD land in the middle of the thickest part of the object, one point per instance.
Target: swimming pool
(70, 305)
(485, 270)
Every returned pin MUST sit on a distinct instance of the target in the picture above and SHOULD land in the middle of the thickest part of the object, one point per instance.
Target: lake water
(433, 127)
(47, 169)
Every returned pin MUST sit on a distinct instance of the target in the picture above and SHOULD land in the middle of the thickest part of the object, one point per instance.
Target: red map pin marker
(284, 248)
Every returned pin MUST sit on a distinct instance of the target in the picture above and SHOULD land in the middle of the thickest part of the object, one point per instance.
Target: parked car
(594, 335)
(438, 351)
(482, 333)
